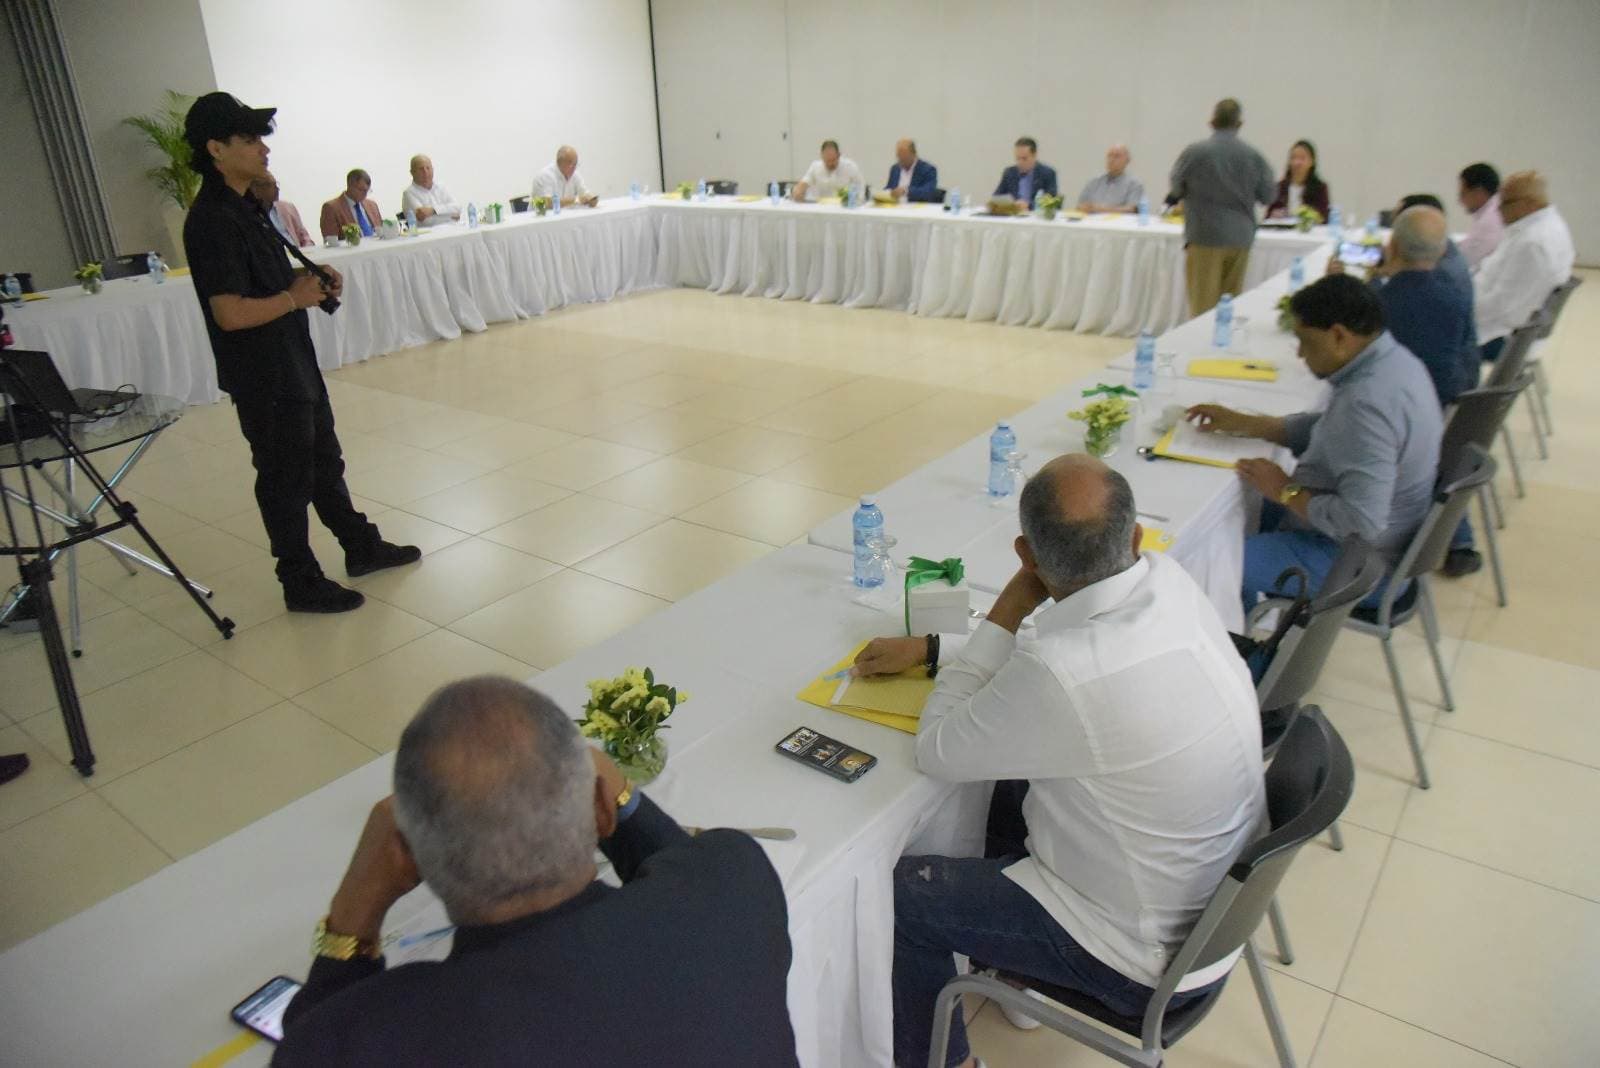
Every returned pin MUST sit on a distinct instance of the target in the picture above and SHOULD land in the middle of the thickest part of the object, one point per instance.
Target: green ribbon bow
(1111, 391)
(920, 572)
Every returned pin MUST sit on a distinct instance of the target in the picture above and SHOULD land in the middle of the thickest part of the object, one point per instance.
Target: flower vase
(1048, 213)
(1103, 443)
(92, 286)
(541, 208)
(1304, 225)
(641, 761)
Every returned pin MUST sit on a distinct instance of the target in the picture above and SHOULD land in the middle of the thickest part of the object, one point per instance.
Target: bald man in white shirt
(1135, 724)
(1535, 255)
(561, 179)
(431, 201)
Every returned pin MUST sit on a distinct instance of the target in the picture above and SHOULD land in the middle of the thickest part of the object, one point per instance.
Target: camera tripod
(36, 557)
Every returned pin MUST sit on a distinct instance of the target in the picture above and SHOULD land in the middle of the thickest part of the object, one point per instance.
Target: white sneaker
(1017, 1019)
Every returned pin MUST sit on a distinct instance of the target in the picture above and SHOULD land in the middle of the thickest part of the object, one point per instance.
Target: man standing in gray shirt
(1220, 181)
(1367, 465)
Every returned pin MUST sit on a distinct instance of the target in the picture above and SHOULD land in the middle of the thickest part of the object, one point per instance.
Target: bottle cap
(1004, 424)
(868, 500)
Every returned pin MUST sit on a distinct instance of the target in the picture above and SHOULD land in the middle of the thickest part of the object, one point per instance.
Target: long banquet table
(1104, 274)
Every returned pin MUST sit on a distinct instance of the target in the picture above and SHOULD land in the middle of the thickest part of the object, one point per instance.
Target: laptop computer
(40, 382)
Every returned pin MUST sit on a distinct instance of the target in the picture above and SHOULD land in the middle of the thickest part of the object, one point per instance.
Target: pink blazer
(293, 223)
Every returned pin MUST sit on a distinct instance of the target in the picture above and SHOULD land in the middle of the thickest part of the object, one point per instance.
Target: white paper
(1189, 440)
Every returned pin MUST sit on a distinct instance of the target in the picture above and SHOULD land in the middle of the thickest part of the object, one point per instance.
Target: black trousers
(298, 463)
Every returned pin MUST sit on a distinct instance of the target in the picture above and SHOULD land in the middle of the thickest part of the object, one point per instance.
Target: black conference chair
(1308, 786)
(1552, 314)
(1508, 367)
(1477, 418)
(24, 279)
(126, 265)
(519, 204)
(722, 187)
(785, 186)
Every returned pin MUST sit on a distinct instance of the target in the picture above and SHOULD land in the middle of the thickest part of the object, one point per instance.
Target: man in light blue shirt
(1367, 465)
(1114, 191)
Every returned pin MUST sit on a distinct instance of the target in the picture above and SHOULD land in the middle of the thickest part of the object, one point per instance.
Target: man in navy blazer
(1029, 177)
(911, 178)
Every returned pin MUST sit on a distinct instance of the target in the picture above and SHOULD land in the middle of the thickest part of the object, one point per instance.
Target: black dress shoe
(1459, 562)
(378, 556)
(12, 765)
(320, 594)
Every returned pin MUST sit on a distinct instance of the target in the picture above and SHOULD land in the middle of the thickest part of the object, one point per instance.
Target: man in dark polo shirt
(255, 307)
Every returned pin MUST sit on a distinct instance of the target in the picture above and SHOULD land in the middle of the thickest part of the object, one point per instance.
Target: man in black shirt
(254, 304)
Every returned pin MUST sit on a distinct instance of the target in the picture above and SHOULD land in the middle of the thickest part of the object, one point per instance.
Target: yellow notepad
(1247, 370)
(749, 198)
(1155, 540)
(895, 701)
(35, 296)
(1185, 442)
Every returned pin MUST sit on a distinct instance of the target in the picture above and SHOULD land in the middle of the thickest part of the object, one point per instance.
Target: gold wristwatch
(326, 943)
(1290, 492)
(625, 796)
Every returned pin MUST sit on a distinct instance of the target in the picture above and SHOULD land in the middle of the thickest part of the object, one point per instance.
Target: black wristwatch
(933, 655)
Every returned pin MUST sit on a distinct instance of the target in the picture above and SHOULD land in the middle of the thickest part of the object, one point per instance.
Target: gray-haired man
(498, 806)
(1134, 723)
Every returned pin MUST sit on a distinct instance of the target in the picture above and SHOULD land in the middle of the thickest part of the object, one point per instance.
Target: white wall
(488, 88)
(1398, 95)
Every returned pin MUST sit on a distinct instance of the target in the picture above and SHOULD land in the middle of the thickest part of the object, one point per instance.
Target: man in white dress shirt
(1135, 724)
(431, 201)
(1533, 258)
(561, 179)
(828, 176)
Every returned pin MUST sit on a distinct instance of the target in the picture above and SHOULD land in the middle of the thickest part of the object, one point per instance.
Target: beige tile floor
(572, 475)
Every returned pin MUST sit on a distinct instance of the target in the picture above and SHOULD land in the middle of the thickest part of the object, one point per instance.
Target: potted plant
(686, 190)
(175, 179)
(351, 234)
(540, 204)
(1103, 419)
(627, 715)
(1306, 218)
(492, 212)
(1047, 206)
(1285, 316)
(91, 276)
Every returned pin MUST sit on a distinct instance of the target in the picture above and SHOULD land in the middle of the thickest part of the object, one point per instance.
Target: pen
(410, 940)
(836, 675)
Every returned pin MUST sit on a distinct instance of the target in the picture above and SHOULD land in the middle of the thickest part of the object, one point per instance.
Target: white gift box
(939, 608)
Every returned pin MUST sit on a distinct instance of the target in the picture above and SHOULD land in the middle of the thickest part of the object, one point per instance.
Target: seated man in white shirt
(1135, 724)
(1535, 255)
(827, 176)
(431, 201)
(562, 180)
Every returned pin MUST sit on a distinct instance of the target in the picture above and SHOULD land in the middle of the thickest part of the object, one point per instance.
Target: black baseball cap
(218, 116)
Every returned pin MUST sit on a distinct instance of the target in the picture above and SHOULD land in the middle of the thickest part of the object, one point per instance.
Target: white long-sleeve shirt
(438, 198)
(1484, 234)
(1535, 255)
(1136, 724)
(822, 183)
(550, 183)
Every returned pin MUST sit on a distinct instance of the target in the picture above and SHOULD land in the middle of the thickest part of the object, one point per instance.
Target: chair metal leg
(1269, 1007)
(1494, 499)
(1280, 931)
(1335, 837)
(1399, 685)
(1538, 431)
(1494, 547)
(1430, 631)
(1541, 394)
(1516, 468)
(944, 1010)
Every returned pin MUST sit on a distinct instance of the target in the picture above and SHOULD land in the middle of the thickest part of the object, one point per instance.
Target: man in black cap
(255, 305)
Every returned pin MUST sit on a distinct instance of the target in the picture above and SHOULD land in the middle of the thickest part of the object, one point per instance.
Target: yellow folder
(1247, 370)
(895, 701)
(1184, 442)
(1155, 540)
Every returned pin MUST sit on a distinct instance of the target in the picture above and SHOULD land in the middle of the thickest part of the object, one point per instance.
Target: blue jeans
(948, 905)
(1269, 553)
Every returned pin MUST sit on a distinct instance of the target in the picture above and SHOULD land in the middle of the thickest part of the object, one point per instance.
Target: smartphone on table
(262, 1012)
(828, 755)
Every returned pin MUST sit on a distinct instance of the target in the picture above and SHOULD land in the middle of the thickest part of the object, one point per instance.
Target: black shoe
(12, 765)
(320, 594)
(380, 555)
(1460, 562)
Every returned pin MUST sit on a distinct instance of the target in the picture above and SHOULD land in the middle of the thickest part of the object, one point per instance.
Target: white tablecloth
(157, 966)
(1105, 274)
(943, 508)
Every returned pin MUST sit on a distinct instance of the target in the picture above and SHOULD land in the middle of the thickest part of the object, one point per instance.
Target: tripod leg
(223, 624)
(37, 576)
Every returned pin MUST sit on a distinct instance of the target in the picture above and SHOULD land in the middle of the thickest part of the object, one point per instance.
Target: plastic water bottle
(852, 196)
(472, 215)
(1222, 333)
(1372, 229)
(1297, 274)
(634, 192)
(700, 189)
(772, 193)
(1002, 443)
(955, 202)
(555, 202)
(1335, 221)
(1144, 362)
(13, 289)
(411, 221)
(1144, 211)
(868, 522)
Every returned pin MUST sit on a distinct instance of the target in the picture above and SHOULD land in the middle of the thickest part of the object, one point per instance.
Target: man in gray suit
(1220, 181)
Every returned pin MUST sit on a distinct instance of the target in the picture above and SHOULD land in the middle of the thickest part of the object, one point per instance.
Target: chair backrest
(1477, 417)
(24, 279)
(519, 204)
(1355, 574)
(1309, 783)
(1556, 301)
(1513, 356)
(722, 187)
(126, 265)
(786, 186)
(1452, 493)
